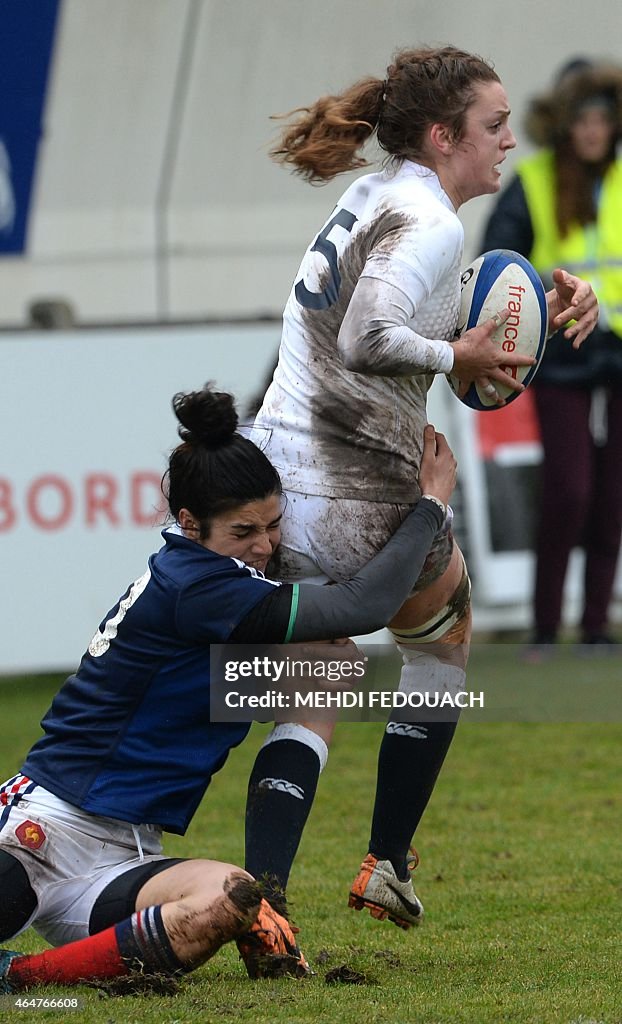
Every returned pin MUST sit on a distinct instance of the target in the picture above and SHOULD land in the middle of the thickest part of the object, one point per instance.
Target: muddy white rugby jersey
(334, 432)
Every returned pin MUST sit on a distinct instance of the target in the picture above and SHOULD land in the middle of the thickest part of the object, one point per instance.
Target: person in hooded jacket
(564, 206)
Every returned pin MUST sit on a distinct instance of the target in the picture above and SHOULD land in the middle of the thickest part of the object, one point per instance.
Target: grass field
(521, 878)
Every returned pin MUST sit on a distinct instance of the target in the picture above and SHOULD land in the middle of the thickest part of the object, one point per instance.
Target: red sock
(95, 957)
(139, 944)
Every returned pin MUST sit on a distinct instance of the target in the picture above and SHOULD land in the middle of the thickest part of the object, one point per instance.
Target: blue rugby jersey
(129, 734)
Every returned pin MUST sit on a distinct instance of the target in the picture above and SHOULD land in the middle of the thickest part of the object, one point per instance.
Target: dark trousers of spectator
(580, 502)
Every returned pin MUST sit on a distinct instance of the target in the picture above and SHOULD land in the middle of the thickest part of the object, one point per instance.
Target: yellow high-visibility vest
(593, 252)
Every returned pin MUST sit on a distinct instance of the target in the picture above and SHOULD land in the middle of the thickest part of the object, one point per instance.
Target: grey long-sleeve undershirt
(363, 604)
(370, 599)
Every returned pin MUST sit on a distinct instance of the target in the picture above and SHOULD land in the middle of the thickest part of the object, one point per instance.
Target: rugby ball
(503, 279)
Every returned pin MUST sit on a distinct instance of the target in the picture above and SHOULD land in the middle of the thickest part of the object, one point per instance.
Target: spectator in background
(564, 207)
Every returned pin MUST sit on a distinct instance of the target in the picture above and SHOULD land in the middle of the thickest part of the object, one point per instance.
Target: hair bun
(206, 417)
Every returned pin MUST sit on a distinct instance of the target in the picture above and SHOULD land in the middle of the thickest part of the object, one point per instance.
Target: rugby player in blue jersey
(129, 748)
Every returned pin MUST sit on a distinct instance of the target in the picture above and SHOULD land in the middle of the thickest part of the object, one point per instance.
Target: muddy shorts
(330, 539)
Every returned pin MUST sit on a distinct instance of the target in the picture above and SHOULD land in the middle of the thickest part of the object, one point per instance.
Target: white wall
(87, 427)
(155, 198)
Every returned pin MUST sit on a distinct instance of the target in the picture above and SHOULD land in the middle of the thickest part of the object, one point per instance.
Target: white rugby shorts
(70, 856)
(329, 539)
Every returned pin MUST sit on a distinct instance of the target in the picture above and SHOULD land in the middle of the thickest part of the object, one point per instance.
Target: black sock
(281, 790)
(410, 759)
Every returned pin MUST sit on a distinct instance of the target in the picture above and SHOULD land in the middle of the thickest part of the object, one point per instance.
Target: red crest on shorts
(31, 835)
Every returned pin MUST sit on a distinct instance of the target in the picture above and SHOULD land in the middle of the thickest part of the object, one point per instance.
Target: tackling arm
(361, 605)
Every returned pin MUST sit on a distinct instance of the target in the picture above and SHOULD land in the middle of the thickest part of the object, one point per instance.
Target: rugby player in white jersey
(370, 320)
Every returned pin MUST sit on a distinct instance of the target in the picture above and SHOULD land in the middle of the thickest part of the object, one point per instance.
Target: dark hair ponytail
(325, 139)
(215, 468)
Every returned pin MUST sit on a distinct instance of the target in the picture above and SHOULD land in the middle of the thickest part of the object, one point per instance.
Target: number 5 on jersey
(329, 295)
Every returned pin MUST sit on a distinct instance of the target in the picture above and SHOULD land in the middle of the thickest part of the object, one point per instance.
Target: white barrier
(86, 426)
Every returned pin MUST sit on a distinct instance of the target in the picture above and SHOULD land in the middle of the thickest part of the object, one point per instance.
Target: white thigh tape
(442, 621)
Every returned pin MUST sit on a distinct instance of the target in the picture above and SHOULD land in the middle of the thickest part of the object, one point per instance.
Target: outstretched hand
(571, 298)
(437, 475)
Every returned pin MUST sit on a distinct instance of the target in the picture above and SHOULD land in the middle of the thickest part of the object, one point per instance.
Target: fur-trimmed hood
(549, 117)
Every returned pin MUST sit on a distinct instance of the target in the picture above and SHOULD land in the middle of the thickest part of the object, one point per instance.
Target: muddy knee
(450, 625)
(198, 925)
(243, 895)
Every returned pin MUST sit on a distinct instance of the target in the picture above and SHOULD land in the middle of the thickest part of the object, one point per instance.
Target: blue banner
(27, 30)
